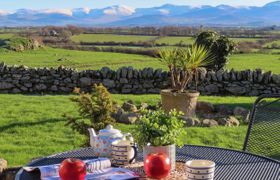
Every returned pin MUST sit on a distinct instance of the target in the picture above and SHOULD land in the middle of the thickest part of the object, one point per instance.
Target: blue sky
(57, 4)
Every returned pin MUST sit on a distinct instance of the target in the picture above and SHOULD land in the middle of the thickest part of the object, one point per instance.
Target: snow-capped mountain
(168, 14)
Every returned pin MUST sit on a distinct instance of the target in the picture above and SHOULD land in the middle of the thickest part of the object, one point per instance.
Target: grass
(274, 51)
(171, 40)
(267, 62)
(277, 42)
(110, 37)
(33, 126)
(6, 35)
(49, 57)
(29, 128)
(237, 40)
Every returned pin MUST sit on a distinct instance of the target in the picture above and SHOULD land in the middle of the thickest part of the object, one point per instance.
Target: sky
(61, 4)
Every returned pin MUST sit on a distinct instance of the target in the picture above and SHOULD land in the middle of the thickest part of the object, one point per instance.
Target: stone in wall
(236, 90)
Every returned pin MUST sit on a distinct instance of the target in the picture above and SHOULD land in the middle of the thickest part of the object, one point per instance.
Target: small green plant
(185, 64)
(158, 128)
(94, 108)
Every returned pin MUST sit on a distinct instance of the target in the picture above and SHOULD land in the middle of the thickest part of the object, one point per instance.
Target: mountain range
(168, 14)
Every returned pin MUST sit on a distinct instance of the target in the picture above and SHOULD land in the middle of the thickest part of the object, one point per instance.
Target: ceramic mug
(200, 169)
(123, 154)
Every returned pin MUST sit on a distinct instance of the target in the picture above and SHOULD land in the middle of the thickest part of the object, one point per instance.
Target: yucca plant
(185, 64)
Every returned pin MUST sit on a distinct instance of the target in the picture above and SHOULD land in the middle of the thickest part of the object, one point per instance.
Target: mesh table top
(230, 164)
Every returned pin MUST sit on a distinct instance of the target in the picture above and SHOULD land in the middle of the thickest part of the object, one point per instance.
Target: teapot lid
(109, 130)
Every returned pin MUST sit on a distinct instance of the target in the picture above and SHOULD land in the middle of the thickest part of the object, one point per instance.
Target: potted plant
(159, 132)
(184, 65)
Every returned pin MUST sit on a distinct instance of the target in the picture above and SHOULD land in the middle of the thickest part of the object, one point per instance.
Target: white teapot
(103, 141)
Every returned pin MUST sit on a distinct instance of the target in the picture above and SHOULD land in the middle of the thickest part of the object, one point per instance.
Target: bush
(95, 110)
(159, 128)
(21, 44)
(220, 46)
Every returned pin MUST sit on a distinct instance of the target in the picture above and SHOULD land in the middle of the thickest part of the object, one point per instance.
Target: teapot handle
(135, 153)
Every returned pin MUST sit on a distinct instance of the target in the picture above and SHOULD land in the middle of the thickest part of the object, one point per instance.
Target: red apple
(72, 169)
(157, 165)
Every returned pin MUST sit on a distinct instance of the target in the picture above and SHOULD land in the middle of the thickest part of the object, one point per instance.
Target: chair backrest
(263, 135)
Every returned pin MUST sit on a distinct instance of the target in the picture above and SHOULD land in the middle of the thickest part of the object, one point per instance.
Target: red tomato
(72, 169)
(157, 165)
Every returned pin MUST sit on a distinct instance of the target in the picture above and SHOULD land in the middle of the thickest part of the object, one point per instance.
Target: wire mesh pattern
(230, 164)
(263, 135)
(85, 153)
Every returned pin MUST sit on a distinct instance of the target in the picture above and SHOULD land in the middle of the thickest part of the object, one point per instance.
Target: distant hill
(168, 14)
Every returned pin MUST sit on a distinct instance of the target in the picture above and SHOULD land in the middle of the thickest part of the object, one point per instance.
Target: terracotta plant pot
(169, 150)
(185, 102)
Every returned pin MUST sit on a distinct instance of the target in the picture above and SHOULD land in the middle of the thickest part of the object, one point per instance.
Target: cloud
(119, 10)
(163, 11)
(3, 13)
(86, 10)
(67, 12)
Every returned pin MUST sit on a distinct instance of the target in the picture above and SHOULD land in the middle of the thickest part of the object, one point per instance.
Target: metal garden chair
(263, 135)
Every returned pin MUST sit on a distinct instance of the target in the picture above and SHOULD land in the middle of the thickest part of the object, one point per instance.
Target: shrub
(21, 44)
(159, 128)
(94, 108)
(220, 46)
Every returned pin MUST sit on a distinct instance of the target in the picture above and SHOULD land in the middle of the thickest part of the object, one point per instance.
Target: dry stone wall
(127, 80)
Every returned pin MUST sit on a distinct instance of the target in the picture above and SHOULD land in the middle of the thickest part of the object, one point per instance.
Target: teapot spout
(92, 136)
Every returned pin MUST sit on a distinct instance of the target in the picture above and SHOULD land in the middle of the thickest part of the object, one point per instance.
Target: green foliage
(95, 110)
(220, 46)
(20, 44)
(184, 64)
(195, 57)
(159, 128)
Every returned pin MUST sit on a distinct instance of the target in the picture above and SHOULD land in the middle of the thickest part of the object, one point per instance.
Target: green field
(6, 36)
(110, 37)
(277, 42)
(277, 51)
(237, 40)
(33, 126)
(172, 40)
(50, 57)
(266, 62)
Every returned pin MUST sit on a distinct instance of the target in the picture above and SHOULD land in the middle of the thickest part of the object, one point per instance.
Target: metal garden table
(230, 164)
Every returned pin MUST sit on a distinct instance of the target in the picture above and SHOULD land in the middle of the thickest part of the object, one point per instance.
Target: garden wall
(21, 79)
